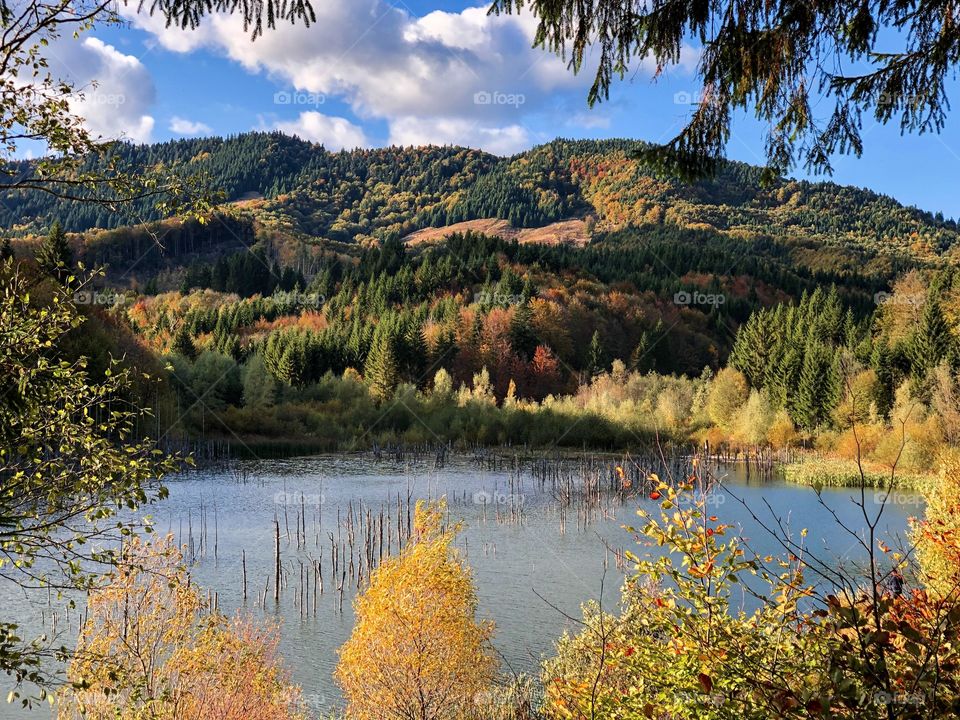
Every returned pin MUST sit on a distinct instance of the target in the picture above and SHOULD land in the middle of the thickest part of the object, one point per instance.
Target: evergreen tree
(380, 370)
(522, 336)
(6, 252)
(930, 344)
(881, 360)
(815, 387)
(183, 344)
(596, 355)
(54, 255)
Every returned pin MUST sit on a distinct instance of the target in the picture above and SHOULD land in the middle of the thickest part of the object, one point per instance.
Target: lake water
(533, 561)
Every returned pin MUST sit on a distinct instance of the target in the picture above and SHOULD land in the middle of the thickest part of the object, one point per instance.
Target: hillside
(300, 189)
(523, 278)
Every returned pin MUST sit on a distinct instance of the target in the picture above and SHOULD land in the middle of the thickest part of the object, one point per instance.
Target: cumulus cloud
(335, 133)
(429, 78)
(114, 91)
(452, 131)
(182, 126)
(390, 65)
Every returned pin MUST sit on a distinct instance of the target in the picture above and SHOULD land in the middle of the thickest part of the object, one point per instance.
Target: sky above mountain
(373, 72)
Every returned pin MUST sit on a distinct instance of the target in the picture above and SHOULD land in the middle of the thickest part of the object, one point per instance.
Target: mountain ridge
(368, 195)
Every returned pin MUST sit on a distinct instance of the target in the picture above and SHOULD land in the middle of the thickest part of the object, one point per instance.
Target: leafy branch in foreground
(708, 629)
(71, 472)
(774, 59)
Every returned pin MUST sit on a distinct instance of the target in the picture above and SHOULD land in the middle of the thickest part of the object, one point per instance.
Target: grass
(830, 472)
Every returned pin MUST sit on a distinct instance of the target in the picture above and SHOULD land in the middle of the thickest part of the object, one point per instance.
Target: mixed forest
(304, 311)
(301, 313)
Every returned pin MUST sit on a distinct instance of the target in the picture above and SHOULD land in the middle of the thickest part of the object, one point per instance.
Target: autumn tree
(150, 647)
(545, 373)
(870, 641)
(728, 392)
(417, 650)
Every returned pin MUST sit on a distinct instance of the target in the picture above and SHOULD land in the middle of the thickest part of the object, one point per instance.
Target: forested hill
(360, 195)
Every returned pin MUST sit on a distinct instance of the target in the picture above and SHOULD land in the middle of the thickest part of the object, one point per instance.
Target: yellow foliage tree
(149, 650)
(417, 651)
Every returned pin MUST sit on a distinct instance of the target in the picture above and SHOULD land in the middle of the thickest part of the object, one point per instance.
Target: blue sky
(374, 73)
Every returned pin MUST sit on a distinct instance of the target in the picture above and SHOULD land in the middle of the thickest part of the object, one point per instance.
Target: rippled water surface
(532, 565)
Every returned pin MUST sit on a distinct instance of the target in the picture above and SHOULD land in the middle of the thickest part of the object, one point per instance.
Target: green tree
(380, 370)
(930, 344)
(811, 405)
(54, 255)
(183, 344)
(596, 355)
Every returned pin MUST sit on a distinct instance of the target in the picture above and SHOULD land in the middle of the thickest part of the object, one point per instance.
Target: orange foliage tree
(417, 650)
(149, 650)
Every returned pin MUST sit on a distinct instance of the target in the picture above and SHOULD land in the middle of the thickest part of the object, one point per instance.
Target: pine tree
(54, 255)
(522, 336)
(596, 356)
(183, 344)
(881, 360)
(380, 370)
(814, 390)
(930, 344)
(641, 359)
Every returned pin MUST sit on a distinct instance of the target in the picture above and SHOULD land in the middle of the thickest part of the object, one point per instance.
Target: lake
(535, 557)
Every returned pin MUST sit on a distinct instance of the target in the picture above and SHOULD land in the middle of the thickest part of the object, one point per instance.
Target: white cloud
(454, 131)
(335, 133)
(114, 91)
(388, 64)
(421, 75)
(182, 126)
